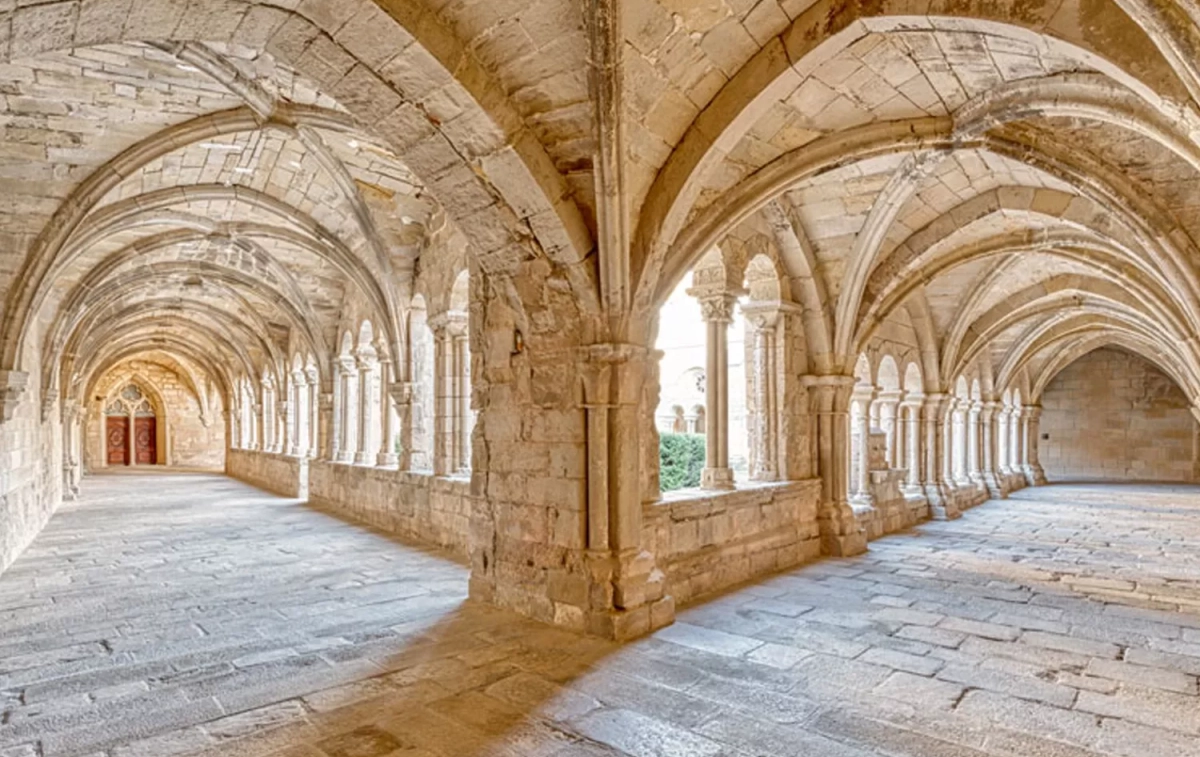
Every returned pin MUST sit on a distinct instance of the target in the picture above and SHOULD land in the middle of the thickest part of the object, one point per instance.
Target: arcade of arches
(425, 265)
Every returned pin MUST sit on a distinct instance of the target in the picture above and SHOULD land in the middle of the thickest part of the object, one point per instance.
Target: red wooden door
(145, 441)
(117, 432)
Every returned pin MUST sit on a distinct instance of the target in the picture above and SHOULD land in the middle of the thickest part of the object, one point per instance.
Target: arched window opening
(455, 420)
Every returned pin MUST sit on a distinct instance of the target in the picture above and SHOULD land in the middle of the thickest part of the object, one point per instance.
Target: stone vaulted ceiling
(226, 181)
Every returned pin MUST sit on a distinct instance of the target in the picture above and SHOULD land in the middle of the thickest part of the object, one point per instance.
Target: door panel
(117, 433)
(146, 441)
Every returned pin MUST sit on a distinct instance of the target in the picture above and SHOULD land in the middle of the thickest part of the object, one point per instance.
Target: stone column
(72, 415)
(717, 312)
(958, 443)
(889, 403)
(283, 424)
(462, 398)
(327, 431)
(829, 402)
(259, 442)
(1003, 466)
(763, 322)
(864, 397)
(974, 436)
(1034, 474)
(348, 427)
(912, 409)
(388, 457)
(626, 590)
(297, 437)
(403, 396)
(314, 413)
(989, 420)
(445, 437)
(368, 407)
(934, 414)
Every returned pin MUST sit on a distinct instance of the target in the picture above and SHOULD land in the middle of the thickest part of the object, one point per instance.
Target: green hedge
(681, 458)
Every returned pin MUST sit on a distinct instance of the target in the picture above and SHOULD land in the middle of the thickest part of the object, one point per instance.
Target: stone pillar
(368, 407)
(717, 312)
(1016, 445)
(934, 414)
(1003, 467)
(72, 417)
(829, 402)
(959, 444)
(404, 398)
(625, 596)
(889, 403)
(861, 439)
(295, 419)
(763, 322)
(974, 446)
(989, 421)
(462, 399)
(346, 409)
(259, 443)
(283, 424)
(327, 429)
(314, 413)
(388, 456)
(1034, 474)
(912, 412)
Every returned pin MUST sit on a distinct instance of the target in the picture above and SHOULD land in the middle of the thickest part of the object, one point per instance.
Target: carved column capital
(715, 306)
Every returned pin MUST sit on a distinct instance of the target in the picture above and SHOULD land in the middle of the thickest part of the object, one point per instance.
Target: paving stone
(1155, 678)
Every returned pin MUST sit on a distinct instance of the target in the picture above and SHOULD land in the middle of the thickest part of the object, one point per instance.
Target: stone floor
(187, 614)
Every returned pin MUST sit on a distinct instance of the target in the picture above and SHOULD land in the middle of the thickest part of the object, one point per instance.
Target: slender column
(763, 322)
(387, 458)
(990, 421)
(959, 443)
(864, 397)
(283, 422)
(829, 401)
(1002, 438)
(1034, 474)
(259, 431)
(717, 312)
(346, 438)
(974, 435)
(934, 415)
(462, 400)
(1015, 444)
(888, 403)
(327, 434)
(403, 396)
(314, 413)
(912, 408)
(368, 408)
(296, 420)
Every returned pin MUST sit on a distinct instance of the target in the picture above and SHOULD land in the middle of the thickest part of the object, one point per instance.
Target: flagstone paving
(177, 614)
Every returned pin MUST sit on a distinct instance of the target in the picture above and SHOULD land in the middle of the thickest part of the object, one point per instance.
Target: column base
(344, 457)
(995, 485)
(841, 533)
(941, 502)
(364, 458)
(716, 478)
(1035, 475)
(387, 460)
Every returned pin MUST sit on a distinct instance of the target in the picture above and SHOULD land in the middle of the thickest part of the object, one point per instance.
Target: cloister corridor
(178, 614)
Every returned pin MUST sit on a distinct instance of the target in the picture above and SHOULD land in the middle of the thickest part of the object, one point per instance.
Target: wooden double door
(143, 447)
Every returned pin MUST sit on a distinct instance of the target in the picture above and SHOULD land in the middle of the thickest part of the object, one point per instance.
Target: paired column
(368, 407)
(861, 442)
(934, 416)
(388, 456)
(829, 402)
(764, 321)
(911, 410)
(296, 420)
(450, 354)
(974, 443)
(889, 405)
(989, 420)
(717, 312)
(347, 396)
(1003, 436)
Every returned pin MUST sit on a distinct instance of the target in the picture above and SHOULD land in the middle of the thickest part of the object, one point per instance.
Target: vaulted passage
(210, 618)
(620, 305)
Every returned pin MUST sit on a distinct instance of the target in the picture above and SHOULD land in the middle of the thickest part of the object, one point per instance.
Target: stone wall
(282, 474)
(30, 476)
(718, 539)
(191, 433)
(432, 509)
(1112, 415)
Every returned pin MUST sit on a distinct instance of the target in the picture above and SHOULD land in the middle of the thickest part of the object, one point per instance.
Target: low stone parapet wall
(420, 506)
(708, 541)
(891, 510)
(281, 474)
